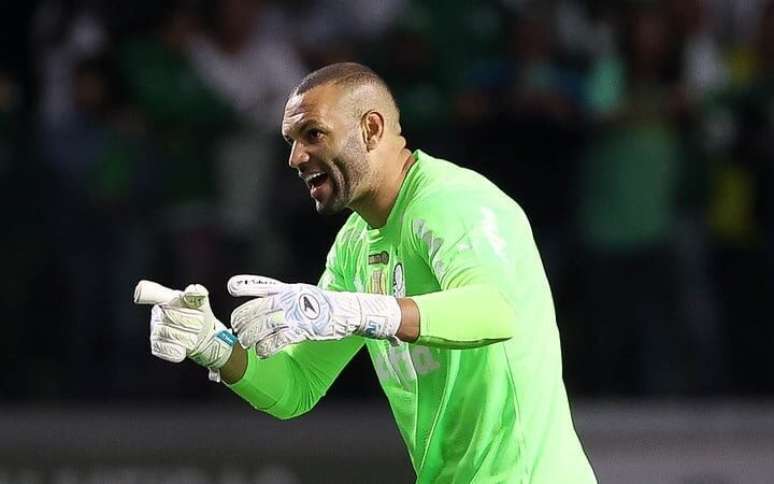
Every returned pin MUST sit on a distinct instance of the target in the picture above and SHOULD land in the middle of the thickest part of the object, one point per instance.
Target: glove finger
(194, 296)
(255, 286)
(248, 336)
(250, 311)
(157, 315)
(182, 318)
(196, 290)
(168, 351)
(273, 344)
(257, 330)
(173, 335)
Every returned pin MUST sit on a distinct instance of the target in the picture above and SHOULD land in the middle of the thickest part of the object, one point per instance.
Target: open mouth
(316, 179)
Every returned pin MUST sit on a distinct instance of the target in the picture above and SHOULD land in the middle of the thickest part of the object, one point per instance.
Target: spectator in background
(703, 69)
(426, 57)
(704, 75)
(764, 84)
(101, 165)
(409, 63)
(243, 63)
(627, 213)
(742, 208)
(542, 100)
(9, 119)
(186, 120)
(252, 67)
(23, 240)
(586, 29)
(327, 32)
(524, 106)
(63, 33)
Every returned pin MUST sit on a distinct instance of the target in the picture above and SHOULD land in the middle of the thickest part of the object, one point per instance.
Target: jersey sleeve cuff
(264, 383)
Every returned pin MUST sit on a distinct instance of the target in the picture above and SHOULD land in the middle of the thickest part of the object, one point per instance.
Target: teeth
(312, 176)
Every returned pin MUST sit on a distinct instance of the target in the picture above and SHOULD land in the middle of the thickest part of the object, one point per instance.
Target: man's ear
(372, 126)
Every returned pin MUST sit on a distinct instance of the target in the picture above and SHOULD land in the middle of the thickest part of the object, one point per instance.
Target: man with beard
(435, 272)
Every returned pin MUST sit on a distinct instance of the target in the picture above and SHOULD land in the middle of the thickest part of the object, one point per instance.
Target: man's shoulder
(441, 176)
(445, 187)
(455, 201)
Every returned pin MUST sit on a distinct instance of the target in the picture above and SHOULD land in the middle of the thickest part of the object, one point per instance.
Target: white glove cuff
(215, 352)
(380, 316)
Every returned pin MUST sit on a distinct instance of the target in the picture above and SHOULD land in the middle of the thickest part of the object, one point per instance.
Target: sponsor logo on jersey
(381, 258)
(403, 364)
(377, 282)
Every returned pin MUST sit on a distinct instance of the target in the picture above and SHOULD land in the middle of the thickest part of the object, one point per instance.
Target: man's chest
(392, 269)
(389, 268)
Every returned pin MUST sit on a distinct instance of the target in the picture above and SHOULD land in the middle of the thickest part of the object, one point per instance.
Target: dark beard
(351, 168)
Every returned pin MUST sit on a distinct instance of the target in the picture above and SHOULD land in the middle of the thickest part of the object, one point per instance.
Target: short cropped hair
(345, 74)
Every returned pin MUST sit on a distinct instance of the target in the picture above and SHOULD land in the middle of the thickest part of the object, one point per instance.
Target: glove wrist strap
(216, 351)
(380, 316)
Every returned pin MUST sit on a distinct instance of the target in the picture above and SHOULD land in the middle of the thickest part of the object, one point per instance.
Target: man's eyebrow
(298, 128)
(309, 122)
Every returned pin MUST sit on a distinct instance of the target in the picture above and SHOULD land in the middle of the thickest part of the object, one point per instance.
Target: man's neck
(375, 207)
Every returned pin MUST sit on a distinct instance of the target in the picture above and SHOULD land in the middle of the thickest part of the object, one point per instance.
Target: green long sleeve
(464, 317)
(291, 382)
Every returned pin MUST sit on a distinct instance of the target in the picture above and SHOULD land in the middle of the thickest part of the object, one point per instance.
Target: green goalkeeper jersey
(479, 397)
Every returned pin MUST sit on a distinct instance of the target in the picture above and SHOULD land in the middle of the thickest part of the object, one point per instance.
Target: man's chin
(329, 208)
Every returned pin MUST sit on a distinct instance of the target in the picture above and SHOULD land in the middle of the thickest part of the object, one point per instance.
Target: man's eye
(314, 134)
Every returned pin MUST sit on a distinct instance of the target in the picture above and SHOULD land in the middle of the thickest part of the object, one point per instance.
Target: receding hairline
(351, 77)
(343, 74)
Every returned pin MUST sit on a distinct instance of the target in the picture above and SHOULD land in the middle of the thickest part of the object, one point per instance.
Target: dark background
(141, 140)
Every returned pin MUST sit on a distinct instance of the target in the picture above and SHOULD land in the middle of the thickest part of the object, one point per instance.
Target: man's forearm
(235, 367)
(408, 330)
(292, 381)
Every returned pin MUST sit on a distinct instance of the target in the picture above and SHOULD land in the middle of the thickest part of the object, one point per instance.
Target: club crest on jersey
(309, 306)
(398, 281)
(381, 258)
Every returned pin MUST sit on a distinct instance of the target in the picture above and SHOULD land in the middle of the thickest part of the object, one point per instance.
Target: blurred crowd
(141, 140)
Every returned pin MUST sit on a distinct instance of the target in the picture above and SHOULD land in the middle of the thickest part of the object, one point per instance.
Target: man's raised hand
(182, 325)
(284, 314)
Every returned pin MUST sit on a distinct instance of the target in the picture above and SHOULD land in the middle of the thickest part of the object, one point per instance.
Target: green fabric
(493, 413)
(445, 314)
(293, 381)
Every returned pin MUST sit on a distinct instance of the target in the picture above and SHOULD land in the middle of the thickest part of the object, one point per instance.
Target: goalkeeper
(435, 273)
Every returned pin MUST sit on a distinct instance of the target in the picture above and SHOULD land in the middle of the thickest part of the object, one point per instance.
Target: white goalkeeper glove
(285, 314)
(184, 326)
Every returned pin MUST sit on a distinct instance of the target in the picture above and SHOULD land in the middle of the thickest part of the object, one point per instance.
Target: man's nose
(298, 155)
